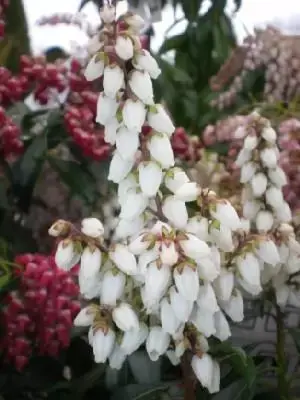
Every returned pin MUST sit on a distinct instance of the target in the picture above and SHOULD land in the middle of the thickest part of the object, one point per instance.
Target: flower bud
(234, 307)
(249, 270)
(124, 47)
(223, 331)
(113, 80)
(85, 317)
(168, 254)
(207, 299)
(66, 256)
(134, 114)
(268, 157)
(250, 142)
(169, 321)
(264, 221)
(123, 259)
(144, 61)
(198, 226)
(135, 21)
(156, 283)
(187, 282)
(182, 307)
(207, 372)
(224, 284)
(259, 184)
(92, 227)
(106, 109)
(247, 171)
(157, 343)
(175, 178)
(134, 204)
(112, 288)
(119, 168)
(127, 143)
(175, 211)
(133, 339)
(90, 263)
(103, 344)
(125, 318)
(141, 85)
(278, 177)
(269, 134)
(150, 178)
(159, 120)
(203, 321)
(161, 151)
(110, 131)
(188, 192)
(94, 69)
(193, 247)
(226, 215)
(59, 228)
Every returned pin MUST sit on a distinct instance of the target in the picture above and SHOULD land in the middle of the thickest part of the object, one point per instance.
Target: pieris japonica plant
(275, 263)
(183, 255)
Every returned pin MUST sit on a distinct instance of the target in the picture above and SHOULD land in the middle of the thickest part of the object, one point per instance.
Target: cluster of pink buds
(10, 143)
(289, 142)
(39, 315)
(3, 5)
(185, 147)
(12, 88)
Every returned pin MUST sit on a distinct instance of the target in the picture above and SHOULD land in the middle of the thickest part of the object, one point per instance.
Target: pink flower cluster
(39, 315)
(10, 143)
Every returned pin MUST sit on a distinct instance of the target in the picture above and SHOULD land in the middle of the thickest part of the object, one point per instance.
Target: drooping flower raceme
(186, 269)
(273, 260)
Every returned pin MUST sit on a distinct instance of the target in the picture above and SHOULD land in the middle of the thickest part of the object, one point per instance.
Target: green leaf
(76, 177)
(173, 43)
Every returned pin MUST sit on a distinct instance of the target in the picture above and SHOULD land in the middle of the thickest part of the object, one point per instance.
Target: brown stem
(188, 378)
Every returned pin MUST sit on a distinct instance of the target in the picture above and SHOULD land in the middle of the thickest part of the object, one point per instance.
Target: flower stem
(282, 381)
(188, 378)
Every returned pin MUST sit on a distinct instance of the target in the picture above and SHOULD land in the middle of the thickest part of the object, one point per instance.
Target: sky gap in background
(285, 14)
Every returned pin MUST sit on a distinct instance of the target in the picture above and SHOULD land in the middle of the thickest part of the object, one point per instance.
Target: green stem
(282, 381)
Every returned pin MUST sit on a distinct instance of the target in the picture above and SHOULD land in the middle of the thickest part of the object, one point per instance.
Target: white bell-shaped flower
(159, 120)
(103, 344)
(135, 203)
(274, 197)
(156, 283)
(203, 321)
(66, 257)
(125, 186)
(226, 215)
(223, 331)
(222, 236)
(150, 178)
(135, 21)
(123, 259)
(85, 317)
(175, 211)
(127, 143)
(169, 322)
(188, 192)
(181, 306)
(161, 151)
(92, 227)
(144, 61)
(125, 317)
(234, 307)
(207, 372)
(250, 142)
(124, 47)
(284, 213)
(168, 254)
(108, 13)
(106, 109)
(268, 157)
(251, 208)
(266, 250)
(269, 134)
(208, 268)
(193, 247)
(113, 285)
(247, 171)
(110, 131)
(259, 184)
(94, 45)
(277, 176)
(127, 227)
(133, 339)
(119, 168)
(117, 358)
(141, 85)
(157, 343)
(90, 262)
(134, 115)
(243, 157)
(198, 226)
(187, 282)
(206, 299)
(113, 80)
(175, 178)
(264, 221)
(224, 284)
(249, 271)
(94, 69)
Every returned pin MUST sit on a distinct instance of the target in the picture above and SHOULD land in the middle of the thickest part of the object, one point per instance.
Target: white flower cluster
(175, 273)
(277, 262)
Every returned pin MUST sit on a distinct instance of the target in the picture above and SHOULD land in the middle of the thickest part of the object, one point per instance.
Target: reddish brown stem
(189, 383)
